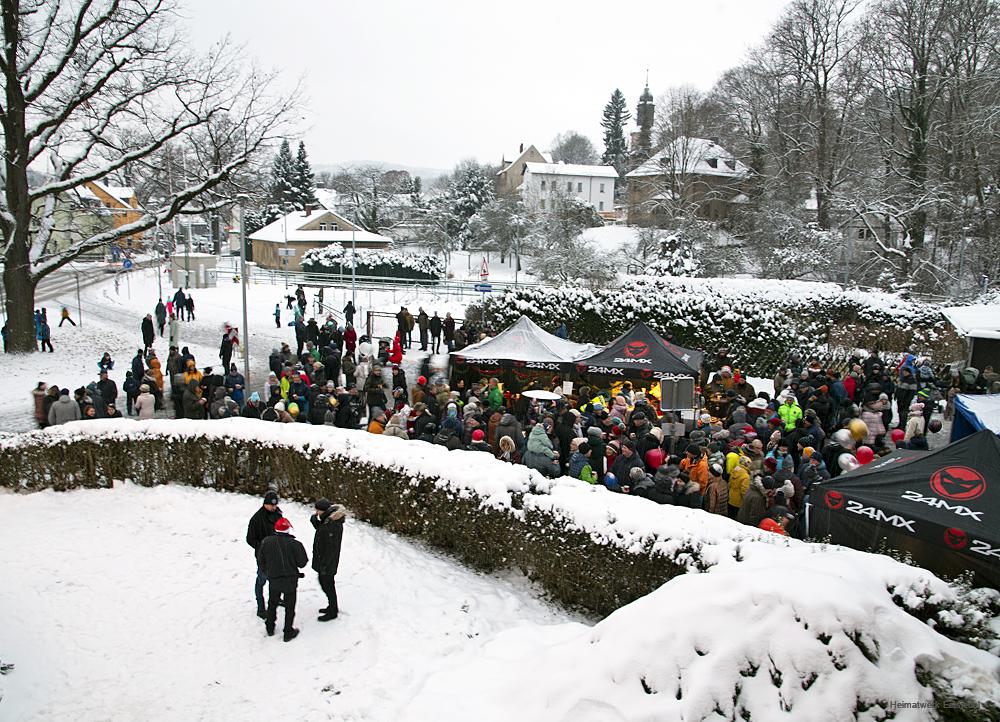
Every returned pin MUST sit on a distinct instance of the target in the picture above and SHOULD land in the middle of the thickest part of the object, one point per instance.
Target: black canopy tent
(641, 353)
(942, 507)
(643, 357)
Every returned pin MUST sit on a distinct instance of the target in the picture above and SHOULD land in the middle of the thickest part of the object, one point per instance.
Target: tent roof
(985, 410)
(965, 473)
(641, 349)
(525, 341)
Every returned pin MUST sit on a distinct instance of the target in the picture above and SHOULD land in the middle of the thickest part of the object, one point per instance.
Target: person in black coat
(280, 556)
(148, 334)
(260, 527)
(328, 521)
(139, 364)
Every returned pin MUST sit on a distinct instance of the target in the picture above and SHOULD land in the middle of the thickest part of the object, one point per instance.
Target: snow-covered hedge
(759, 627)
(374, 262)
(760, 321)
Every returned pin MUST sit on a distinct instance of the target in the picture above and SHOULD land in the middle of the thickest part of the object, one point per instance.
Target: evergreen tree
(303, 182)
(616, 116)
(282, 186)
(470, 191)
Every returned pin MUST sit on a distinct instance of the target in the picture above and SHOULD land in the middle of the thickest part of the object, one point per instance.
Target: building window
(543, 185)
(712, 162)
(541, 204)
(569, 187)
(322, 226)
(864, 233)
(600, 206)
(731, 164)
(602, 187)
(579, 187)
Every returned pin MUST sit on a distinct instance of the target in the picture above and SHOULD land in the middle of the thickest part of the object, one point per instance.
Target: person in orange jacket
(695, 463)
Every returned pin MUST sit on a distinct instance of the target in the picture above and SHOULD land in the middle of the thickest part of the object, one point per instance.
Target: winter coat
(280, 556)
(144, 405)
(510, 426)
(872, 416)
(435, 326)
(147, 331)
(754, 507)
(579, 468)
(717, 501)
(396, 428)
(697, 471)
(63, 410)
(156, 373)
(739, 482)
(539, 453)
(329, 534)
(789, 414)
(622, 465)
(193, 408)
(261, 525)
(914, 423)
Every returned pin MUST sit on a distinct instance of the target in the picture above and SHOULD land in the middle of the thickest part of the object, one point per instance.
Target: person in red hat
(479, 442)
(280, 557)
(260, 527)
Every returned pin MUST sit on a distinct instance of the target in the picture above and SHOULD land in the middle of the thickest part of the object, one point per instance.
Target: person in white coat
(145, 403)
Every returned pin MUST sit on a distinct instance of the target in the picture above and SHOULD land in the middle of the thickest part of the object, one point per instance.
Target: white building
(592, 184)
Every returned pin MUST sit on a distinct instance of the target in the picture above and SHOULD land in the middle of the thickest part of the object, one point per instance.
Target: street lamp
(243, 198)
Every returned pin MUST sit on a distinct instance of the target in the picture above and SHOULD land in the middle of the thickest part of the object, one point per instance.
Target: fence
(445, 287)
(384, 325)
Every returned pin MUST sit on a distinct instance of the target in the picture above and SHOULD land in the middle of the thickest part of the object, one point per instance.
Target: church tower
(644, 119)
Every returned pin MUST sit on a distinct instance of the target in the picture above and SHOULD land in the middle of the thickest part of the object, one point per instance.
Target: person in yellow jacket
(739, 482)
(191, 373)
(790, 412)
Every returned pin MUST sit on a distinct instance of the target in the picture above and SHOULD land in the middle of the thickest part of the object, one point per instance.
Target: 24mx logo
(936, 503)
(958, 483)
(605, 370)
(856, 507)
(541, 365)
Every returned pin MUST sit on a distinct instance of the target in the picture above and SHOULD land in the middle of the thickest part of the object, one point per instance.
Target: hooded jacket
(754, 507)
(395, 428)
(510, 426)
(64, 410)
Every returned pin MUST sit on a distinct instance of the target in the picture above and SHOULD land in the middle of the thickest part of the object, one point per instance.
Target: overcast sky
(430, 83)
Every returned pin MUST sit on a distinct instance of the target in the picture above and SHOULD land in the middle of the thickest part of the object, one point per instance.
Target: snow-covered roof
(122, 194)
(526, 341)
(698, 156)
(290, 228)
(518, 155)
(596, 171)
(981, 321)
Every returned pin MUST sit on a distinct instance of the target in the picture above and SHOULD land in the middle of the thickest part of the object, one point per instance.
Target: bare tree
(75, 72)
(573, 147)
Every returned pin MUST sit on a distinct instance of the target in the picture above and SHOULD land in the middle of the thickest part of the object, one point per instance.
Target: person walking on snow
(277, 315)
(280, 556)
(161, 316)
(147, 333)
(65, 317)
(328, 521)
(261, 526)
(349, 313)
(180, 301)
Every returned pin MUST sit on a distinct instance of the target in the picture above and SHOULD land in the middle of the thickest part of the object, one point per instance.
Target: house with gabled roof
(120, 202)
(281, 244)
(687, 175)
(511, 173)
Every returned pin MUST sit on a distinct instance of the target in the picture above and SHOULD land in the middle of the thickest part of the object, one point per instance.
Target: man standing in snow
(147, 332)
(328, 521)
(435, 326)
(281, 556)
(261, 526)
(161, 315)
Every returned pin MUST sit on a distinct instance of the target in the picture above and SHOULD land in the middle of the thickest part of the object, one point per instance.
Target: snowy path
(111, 322)
(138, 604)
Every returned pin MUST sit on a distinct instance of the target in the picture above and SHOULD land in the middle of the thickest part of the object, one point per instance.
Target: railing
(379, 324)
(449, 287)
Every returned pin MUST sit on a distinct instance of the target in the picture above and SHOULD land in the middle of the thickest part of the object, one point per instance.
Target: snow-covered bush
(374, 262)
(760, 321)
(714, 620)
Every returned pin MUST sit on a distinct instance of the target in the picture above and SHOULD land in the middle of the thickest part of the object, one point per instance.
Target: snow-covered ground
(137, 604)
(111, 321)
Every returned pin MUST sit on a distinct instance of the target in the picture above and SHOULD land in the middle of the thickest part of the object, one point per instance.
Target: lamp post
(242, 198)
(354, 271)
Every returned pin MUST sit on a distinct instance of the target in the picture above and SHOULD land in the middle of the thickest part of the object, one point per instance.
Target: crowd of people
(753, 458)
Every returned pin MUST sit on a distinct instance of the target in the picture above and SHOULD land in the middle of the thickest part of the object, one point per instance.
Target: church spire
(644, 119)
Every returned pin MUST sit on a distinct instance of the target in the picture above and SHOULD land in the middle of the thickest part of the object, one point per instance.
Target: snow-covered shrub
(760, 321)
(714, 620)
(374, 262)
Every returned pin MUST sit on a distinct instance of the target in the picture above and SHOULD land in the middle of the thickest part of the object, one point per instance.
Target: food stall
(523, 356)
(665, 371)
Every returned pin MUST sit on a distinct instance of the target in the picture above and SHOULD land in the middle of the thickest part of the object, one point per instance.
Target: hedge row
(564, 559)
(761, 322)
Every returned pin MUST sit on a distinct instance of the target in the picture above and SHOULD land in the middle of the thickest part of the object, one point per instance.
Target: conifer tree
(303, 183)
(282, 185)
(616, 116)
